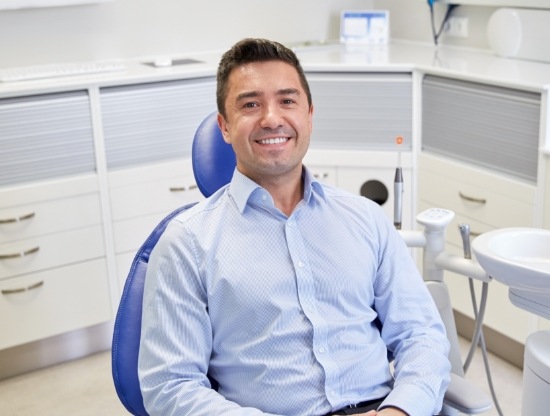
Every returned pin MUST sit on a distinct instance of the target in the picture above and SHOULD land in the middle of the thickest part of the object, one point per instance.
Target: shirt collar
(242, 188)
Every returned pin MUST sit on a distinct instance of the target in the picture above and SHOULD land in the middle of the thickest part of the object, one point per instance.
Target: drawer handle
(182, 188)
(472, 199)
(17, 219)
(177, 189)
(21, 254)
(22, 289)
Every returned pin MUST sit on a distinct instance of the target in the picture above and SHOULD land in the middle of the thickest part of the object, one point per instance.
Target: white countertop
(472, 65)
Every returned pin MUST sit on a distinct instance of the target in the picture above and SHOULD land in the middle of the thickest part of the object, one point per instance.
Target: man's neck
(286, 192)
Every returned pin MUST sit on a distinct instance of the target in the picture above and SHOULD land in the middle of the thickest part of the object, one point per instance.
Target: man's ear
(311, 118)
(223, 128)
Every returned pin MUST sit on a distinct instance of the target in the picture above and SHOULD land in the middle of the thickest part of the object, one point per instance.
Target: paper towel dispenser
(520, 33)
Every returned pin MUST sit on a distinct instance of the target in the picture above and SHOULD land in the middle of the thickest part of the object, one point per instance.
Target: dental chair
(213, 165)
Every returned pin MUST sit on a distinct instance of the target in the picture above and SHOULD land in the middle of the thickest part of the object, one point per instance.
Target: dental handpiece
(398, 188)
(465, 234)
(398, 198)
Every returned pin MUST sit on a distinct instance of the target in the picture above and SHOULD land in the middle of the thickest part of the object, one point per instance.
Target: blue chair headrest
(213, 159)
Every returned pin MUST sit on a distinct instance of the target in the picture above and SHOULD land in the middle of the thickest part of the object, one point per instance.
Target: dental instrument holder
(435, 262)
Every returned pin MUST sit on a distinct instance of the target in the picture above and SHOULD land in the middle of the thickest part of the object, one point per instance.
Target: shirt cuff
(411, 399)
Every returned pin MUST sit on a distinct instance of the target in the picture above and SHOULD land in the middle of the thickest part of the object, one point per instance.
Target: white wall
(148, 28)
(410, 20)
(139, 28)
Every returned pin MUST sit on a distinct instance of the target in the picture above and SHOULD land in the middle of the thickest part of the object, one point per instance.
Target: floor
(84, 388)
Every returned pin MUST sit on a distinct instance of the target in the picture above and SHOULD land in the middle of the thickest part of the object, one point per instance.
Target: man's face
(268, 120)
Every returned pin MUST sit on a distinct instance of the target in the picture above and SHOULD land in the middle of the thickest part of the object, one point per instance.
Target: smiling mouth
(274, 140)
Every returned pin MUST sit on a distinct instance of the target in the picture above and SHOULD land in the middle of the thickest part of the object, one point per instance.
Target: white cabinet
(361, 111)
(546, 191)
(356, 120)
(153, 122)
(485, 201)
(53, 269)
(67, 163)
(479, 159)
(148, 131)
(83, 182)
(53, 273)
(45, 137)
(53, 301)
(140, 197)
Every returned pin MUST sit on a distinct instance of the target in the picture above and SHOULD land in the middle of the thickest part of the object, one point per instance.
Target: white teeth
(275, 140)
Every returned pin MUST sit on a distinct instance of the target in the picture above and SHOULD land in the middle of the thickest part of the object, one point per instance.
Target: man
(287, 292)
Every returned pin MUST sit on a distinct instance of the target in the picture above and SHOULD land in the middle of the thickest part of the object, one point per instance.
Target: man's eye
(250, 105)
(288, 101)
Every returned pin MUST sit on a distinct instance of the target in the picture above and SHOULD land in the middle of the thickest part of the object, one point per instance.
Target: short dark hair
(255, 50)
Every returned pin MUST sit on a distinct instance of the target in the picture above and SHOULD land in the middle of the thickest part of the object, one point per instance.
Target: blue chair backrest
(213, 166)
(213, 159)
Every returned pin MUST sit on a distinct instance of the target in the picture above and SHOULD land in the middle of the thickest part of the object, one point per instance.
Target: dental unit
(434, 262)
(517, 257)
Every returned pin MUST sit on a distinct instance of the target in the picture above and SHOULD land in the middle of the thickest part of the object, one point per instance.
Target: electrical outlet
(457, 27)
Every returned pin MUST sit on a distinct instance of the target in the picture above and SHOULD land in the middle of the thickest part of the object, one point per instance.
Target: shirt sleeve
(176, 337)
(411, 328)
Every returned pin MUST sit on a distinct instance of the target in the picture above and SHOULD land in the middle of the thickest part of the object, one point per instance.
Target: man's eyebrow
(248, 94)
(288, 91)
(255, 94)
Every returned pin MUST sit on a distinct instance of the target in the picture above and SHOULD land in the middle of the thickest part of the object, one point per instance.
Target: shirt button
(322, 350)
(300, 264)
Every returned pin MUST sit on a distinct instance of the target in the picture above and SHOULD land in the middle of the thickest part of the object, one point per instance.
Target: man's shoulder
(336, 193)
(204, 207)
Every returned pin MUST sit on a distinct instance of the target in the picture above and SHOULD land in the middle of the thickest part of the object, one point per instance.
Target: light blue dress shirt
(284, 312)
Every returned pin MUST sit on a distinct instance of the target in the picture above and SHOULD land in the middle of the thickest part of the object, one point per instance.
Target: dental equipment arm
(461, 395)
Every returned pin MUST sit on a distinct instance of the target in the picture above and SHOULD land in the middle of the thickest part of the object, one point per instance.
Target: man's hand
(388, 411)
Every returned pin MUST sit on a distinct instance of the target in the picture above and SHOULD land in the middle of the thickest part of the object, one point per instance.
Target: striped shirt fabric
(291, 315)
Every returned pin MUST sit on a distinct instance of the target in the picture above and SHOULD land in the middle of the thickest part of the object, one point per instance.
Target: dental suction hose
(479, 313)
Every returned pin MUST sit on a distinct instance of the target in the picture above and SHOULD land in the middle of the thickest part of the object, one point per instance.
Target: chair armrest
(466, 397)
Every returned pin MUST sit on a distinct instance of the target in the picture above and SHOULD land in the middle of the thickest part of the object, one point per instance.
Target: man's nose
(272, 117)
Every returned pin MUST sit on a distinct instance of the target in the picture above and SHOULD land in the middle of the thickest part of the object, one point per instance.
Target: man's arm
(176, 338)
(411, 328)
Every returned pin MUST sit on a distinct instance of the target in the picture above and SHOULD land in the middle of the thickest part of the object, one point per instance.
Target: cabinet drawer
(57, 301)
(34, 254)
(48, 217)
(130, 234)
(154, 189)
(324, 174)
(475, 195)
(160, 196)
